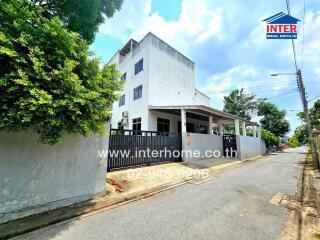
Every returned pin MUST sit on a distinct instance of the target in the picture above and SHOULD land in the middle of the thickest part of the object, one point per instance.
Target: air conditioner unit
(125, 114)
(124, 121)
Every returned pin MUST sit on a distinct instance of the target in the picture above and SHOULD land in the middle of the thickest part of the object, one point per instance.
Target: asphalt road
(234, 205)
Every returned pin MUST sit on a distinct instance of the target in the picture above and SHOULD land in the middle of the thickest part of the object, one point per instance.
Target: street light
(277, 74)
(305, 110)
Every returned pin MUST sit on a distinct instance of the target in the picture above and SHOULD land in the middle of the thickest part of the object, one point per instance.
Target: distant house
(160, 93)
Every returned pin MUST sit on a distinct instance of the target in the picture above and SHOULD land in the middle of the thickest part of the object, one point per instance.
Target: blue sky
(226, 40)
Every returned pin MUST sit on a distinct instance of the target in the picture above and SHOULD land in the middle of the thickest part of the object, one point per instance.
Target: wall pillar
(183, 121)
(244, 130)
(237, 126)
(259, 131)
(210, 125)
(254, 131)
(221, 129)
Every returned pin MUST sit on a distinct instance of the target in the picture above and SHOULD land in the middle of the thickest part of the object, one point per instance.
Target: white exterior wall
(139, 107)
(249, 147)
(170, 82)
(36, 177)
(201, 99)
(165, 80)
(201, 143)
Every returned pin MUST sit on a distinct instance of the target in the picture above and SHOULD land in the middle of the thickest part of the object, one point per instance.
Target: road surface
(233, 205)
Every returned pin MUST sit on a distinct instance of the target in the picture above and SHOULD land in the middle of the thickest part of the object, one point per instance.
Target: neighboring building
(160, 95)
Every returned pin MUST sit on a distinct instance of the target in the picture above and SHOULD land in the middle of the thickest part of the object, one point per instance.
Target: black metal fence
(131, 148)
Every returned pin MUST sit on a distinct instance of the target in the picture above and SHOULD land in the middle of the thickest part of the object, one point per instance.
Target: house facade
(160, 95)
(155, 74)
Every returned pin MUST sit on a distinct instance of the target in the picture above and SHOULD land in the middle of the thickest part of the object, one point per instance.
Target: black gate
(229, 145)
(131, 148)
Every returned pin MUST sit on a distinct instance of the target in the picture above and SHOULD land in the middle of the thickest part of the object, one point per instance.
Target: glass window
(120, 126)
(137, 92)
(138, 67)
(122, 100)
(124, 76)
(203, 129)
(136, 124)
(163, 125)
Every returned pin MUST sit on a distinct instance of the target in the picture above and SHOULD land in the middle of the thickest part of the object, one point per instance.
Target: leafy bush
(49, 81)
(293, 141)
(269, 138)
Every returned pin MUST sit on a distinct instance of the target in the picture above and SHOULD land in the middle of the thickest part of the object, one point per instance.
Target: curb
(302, 221)
(33, 222)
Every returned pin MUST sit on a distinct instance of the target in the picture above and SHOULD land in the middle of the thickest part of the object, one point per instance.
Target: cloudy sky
(226, 40)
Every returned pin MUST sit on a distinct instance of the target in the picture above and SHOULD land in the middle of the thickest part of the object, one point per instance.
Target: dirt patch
(118, 188)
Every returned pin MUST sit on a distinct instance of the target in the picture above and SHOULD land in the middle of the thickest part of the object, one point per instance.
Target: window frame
(136, 125)
(138, 67)
(122, 100)
(139, 93)
(123, 77)
(164, 123)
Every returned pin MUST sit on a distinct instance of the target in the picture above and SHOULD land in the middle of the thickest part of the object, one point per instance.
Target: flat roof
(206, 110)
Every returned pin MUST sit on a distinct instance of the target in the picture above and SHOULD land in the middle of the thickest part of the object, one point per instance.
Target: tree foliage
(302, 134)
(293, 142)
(269, 138)
(240, 104)
(81, 16)
(49, 81)
(312, 113)
(273, 118)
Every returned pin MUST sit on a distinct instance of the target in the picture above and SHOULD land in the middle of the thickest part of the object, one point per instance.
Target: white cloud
(196, 21)
(227, 41)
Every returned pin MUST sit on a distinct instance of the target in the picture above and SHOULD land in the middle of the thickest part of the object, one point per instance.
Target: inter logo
(281, 26)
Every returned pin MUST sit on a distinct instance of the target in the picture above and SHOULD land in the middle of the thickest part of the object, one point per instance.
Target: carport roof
(202, 110)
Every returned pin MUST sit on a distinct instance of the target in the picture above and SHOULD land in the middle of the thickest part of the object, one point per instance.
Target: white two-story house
(155, 74)
(160, 95)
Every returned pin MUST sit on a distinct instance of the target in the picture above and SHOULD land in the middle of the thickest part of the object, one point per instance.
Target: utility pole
(306, 112)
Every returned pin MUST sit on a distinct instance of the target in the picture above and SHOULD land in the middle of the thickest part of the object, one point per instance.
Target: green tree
(81, 16)
(312, 113)
(49, 81)
(269, 138)
(302, 134)
(293, 141)
(240, 104)
(273, 118)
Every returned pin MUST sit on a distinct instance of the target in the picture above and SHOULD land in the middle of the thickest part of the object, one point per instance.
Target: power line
(313, 98)
(263, 86)
(292, 41)
(302, 49)
(285, 93)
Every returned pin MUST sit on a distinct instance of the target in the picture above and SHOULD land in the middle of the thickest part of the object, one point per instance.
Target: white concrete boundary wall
(35, 177)
(249, 146)
(201, 142)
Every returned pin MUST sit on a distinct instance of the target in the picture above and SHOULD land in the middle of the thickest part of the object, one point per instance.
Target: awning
(204, 111)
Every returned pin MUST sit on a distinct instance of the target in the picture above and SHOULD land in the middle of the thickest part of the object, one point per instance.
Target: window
(124, 76)
(138, 67)
(136, 124)
(163, 125)
(120, 126)
(122, 100)
(137, 92)
(203, 129)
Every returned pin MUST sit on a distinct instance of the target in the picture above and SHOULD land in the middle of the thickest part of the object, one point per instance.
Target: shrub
(49, 80)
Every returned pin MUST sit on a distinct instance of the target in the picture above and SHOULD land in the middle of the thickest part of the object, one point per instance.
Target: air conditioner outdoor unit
(124, 121)
(125, 114)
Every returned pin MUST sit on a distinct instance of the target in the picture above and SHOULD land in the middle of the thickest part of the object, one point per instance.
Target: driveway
(233, 205)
